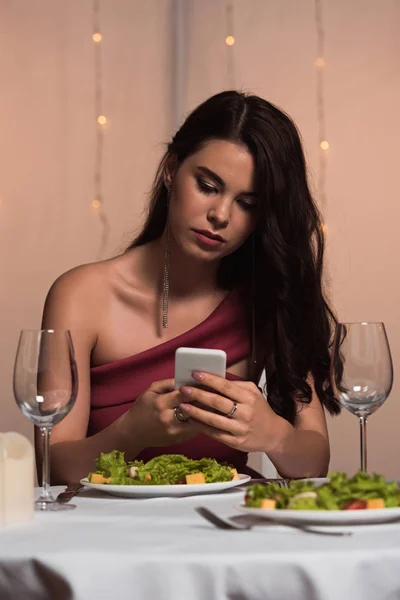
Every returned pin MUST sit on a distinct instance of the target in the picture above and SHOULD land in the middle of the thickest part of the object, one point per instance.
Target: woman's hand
(248, 423)
(152, 418)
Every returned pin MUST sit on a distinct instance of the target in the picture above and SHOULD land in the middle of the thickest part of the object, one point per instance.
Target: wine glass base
(53, 506)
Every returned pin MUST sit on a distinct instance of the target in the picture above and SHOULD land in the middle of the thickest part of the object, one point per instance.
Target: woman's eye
(247, 204)
(206, 188)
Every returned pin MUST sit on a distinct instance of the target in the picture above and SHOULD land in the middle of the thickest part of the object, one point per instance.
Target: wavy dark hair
(293, 321)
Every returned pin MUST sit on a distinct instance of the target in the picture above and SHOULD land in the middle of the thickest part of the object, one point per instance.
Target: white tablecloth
(115, 548)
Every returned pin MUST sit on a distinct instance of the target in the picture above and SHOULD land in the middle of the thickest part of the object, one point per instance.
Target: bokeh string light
(320, 88)
(97, 203)
(230, 41)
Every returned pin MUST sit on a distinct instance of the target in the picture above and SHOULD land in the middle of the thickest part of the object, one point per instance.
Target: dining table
(160, 548)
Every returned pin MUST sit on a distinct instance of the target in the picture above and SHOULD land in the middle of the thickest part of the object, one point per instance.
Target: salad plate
(325, 517)
(163, 475)
(336, 500)
(154, 491)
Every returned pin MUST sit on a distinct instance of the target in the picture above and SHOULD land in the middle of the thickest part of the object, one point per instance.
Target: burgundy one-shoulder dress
(115, 386)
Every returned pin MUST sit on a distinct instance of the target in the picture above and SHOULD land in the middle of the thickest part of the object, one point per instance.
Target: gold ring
(233, 410)
(179, 416)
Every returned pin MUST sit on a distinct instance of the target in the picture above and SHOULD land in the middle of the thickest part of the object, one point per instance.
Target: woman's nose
(220, 212)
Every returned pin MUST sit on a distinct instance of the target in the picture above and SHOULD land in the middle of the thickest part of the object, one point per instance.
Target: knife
(70, 491)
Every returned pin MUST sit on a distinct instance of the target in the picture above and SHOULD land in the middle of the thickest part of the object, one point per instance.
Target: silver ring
(179, 416)
(233, 410)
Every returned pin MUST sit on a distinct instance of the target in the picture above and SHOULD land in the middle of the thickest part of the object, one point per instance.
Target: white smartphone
(188, 360)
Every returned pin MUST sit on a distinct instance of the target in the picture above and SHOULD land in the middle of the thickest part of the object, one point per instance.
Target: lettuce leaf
(167, 469)
(332, 495)
(111, 464)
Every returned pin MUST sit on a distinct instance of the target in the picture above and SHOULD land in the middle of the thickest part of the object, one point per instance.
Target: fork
(70, 491)
(283, 483)
(224, 523)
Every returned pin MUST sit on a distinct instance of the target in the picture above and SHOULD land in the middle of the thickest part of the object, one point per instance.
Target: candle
(16, 479)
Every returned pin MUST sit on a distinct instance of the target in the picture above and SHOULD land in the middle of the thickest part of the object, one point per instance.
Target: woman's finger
(163, 386)
(167, 400)
(207, 398)
(230, 389)
(230, 425)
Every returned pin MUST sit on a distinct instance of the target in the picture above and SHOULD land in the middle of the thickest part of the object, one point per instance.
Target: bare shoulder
(79, 281)
(78, 294)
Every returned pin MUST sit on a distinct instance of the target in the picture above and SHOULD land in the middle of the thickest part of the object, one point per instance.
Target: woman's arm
(301, 450)
(74, 302)
(78, 301)
(298, 450)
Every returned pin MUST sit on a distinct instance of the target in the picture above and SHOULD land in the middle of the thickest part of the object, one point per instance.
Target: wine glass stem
(46, 495)
(363, 443)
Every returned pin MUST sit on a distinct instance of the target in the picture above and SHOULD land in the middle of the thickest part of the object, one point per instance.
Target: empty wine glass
(361, 372)
(45, 389)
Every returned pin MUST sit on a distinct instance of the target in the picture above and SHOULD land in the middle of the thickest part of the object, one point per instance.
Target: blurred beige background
(47, 146)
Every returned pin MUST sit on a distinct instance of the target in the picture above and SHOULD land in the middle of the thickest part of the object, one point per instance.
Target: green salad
(167, 469)
(340, 492)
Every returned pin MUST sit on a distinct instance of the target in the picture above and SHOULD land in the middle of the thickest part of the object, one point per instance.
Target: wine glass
(45, 389)
(361, 372)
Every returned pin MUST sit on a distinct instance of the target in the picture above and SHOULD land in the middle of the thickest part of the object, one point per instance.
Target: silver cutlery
(224, 523)
(70, 491)
(283, 483)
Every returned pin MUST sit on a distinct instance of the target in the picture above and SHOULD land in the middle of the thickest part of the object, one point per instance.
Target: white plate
(152, 491)
(325, 517)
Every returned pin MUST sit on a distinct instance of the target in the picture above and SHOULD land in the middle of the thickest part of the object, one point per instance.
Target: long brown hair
(293, 319)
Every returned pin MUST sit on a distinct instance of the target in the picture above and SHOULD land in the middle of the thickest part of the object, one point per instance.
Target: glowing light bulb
(230, 40)
(102, 120)
(96, 204)
(324, 145)
(97, 37)
(319, 63)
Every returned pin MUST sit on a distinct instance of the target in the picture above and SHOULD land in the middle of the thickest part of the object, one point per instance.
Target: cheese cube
(195, 478)
(268, 503)
(97, 478)
(235, 474)
(376, 503)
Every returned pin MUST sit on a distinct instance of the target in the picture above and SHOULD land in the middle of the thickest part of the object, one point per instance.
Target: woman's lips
(208, 241)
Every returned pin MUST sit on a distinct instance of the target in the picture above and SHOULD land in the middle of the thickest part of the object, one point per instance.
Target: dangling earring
(167, 254)
(253, 286)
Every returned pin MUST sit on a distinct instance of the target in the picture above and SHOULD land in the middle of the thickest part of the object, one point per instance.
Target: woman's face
(213, 204)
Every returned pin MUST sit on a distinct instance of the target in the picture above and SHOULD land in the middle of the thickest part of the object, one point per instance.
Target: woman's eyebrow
(213, 175)
(219, 179)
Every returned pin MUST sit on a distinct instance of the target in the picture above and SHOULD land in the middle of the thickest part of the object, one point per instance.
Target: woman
(230, 257)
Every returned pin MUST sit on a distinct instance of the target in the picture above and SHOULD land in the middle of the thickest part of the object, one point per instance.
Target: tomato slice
(355, 505)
